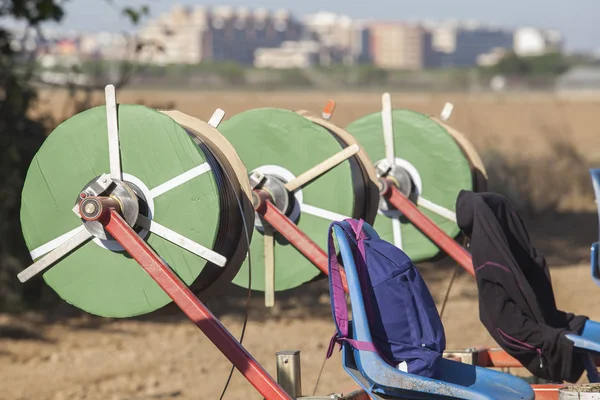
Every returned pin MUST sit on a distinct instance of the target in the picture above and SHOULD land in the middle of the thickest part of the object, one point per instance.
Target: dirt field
(53, 357)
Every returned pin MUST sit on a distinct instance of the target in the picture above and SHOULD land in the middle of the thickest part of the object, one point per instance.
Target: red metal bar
(498, 358)
(295, 236)
(425, 225)
(546, 391)
(192, 307)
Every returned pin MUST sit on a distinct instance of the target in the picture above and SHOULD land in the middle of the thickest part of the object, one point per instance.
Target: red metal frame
(191, 306)
(293, 234)
(425, 225)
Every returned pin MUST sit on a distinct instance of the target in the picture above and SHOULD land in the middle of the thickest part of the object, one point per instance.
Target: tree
(20, 138)
(512, 65)
(549, 64)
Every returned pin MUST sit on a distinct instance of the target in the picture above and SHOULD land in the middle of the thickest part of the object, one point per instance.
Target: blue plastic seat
(589, 342)
(595, 267)
(382, 381)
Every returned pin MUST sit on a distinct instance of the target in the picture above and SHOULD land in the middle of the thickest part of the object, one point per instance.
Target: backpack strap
(338, 298)
(361, 265)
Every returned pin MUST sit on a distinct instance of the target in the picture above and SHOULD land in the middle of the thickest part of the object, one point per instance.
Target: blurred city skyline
(576, 23)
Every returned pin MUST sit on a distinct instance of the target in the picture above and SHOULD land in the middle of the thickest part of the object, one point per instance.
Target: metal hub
(280, 196)
(130, 198)
(276, 188)
(401, 179)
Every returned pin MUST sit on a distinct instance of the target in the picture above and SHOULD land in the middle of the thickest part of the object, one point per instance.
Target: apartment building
(191, 36)
(396, 45)
(347, 40)
(456, 44)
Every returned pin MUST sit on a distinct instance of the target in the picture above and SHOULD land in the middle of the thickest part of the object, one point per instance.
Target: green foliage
(512, 65)
(546, 64)
(370, 75)
(231, 72)
(296, 77)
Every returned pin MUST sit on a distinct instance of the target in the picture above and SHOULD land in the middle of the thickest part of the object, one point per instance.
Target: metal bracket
(257, 179)
(94, 188)
(289, 374)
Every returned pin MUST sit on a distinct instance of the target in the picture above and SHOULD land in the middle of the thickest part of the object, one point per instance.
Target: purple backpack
(403, 320)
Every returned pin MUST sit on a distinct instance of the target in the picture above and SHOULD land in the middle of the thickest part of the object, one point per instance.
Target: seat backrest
(391, 305)
(595, 173)
(595, 267)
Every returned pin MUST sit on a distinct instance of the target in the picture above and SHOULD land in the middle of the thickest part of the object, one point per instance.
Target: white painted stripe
(216, 118)
(439, 210)
(179, 179)
(55, 255)
(181, 241)
(319, 212)
(54, 243)
(114, 155)
(396, 229)
(388, 128)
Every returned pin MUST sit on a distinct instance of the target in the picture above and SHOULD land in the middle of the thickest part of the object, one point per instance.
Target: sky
(576, 19)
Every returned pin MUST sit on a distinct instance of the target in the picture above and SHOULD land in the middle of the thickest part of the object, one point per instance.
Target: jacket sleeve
(515, 330)
(543, 350)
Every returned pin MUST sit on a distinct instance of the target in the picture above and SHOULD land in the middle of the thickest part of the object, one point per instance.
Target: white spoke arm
(439, 210)
(113, 132)
(447, 111)
(321, 213)
(181, 241)
(397, 232)
(216, 118)
(55, 255)
(388, 128)
(269, 250)
(322, 167)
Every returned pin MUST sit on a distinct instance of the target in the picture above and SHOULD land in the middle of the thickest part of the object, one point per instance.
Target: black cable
(319, 377)
(456, 268)
(448, 290)
(323, 365)
(247, 306)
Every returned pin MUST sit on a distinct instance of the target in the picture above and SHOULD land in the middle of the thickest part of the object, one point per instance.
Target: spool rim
(369, 131)
(237, 172)
(286, 139)
(101, 282)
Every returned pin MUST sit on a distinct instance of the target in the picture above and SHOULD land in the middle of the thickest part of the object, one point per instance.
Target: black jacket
(516, 300)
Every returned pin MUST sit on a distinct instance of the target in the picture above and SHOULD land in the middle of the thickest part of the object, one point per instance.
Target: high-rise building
(396, 45)
(345, 39)
(456, 44)
(201, 34)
